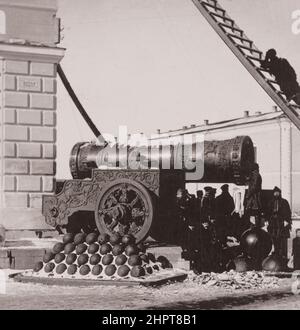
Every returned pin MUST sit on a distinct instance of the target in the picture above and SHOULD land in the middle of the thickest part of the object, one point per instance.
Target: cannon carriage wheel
(125, 206)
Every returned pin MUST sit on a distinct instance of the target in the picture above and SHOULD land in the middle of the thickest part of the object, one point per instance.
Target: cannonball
(256, 242)
(165, 263)
(71, 258)
(61, 268)
(110, 270)
(243, 264)
(123, 270)
(273, 263)
(107, 259)
(81, 248)
(70, 247)
(93, 248)
(84, 270)
(121, 259)
(117, 249)
(97, 270)
(49, 267)
(82, 259)
(48, 256)
(91, 238)
(115, 238)
(60, 257)
(151, 257)
(155, 267)
(134, 260)
(131, 249)
(58, 247)
(137, 271)
(105, 248)
(79, 238)
(149, 269)
(128, 239)
(144, 258)
(141, 247)
(72, 269)
(68, 238)
(103, 238)
(38, 266)
(95, 259)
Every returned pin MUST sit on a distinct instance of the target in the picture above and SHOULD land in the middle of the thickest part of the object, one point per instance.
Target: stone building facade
(28, 59)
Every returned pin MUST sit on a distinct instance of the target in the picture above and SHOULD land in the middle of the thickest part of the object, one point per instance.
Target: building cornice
(31, 4)
(31, 53)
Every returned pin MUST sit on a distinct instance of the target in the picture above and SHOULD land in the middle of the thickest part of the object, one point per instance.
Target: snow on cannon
(141, 201)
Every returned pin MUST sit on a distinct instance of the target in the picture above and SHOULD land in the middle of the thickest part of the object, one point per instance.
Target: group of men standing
(210, 223)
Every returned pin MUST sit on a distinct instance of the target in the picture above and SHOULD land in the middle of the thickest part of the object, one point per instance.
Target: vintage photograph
(149, 157)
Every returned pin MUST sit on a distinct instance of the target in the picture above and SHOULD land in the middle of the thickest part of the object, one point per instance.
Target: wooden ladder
(247, 53)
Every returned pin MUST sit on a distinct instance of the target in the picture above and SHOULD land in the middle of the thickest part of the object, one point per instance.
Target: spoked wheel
(125, 207)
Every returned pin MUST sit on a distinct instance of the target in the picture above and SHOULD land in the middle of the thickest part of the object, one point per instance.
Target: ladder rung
(214, 7)
(232, 28)
(224, 18)
(241, 38)
(295, 106)
(253, 58)
(250, 49)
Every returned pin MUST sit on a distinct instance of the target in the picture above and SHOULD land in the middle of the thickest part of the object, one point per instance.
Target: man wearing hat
(284, 74)
(208, 204)
(279, 222)
(224, 209)
(253, 204)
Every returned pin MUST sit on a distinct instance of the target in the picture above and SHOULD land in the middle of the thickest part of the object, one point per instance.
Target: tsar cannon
(138, 201)
(108, 194)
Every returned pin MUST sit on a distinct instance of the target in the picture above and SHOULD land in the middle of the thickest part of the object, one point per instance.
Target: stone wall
(27, 128)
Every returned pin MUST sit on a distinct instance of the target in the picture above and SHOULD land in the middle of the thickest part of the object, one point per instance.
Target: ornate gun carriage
(143, 201)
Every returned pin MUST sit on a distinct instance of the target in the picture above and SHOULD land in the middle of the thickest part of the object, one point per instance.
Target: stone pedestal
(27, 113)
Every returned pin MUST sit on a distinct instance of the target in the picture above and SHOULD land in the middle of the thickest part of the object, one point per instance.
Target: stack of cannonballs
(99, 256)
(256, 245)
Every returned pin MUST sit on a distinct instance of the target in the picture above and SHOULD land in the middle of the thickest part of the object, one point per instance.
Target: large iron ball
(95, 259)
(48, 256)
(243, 264)
(58, 247)
(38, 266)
(71, 258)
(123, 271)
(103, 238)
(93, 248)
(68, 238)
(273, 263)
(91, 238)
(79, 238)
(256, 243)
(121, 260)
(97, 270)
(105, 248)
(72, 269)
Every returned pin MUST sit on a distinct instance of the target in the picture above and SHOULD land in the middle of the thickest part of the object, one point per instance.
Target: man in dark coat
(208, 204)
(284, 74)
(224, 207)
(189, 225)
(279, 222)
(198, 204)
(296, 250)
(253, 204)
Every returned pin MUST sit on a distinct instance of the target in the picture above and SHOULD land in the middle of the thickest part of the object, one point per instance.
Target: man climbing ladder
(284, 74)
(284, 92)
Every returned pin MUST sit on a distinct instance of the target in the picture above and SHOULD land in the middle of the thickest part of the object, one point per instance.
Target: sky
(157, 64)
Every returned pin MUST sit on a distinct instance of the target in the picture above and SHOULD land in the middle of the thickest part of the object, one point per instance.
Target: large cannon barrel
(217, 161)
